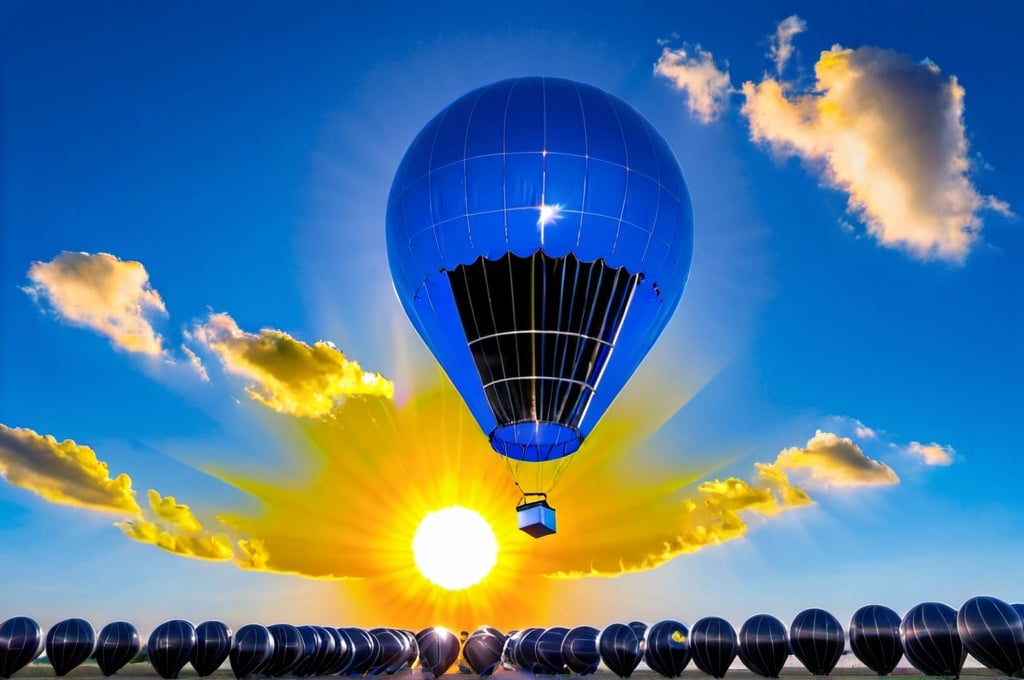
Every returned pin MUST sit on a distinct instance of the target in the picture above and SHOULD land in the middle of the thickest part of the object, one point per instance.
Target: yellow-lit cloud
(889, 132)
(62, 472)
(101, 292)
(782, 42)
(706, 86)
(830, 460)
(286, 374)
(932, 454)
(173, 527)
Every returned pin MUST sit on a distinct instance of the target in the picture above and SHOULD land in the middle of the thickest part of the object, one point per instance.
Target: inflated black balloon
(21, 643)
(764, 645)
(170, 647)
(579, 649)
(213, 644)
(640, 628)
(439, 649)
(365, 650)
(526, 650)
(667, 648)
(993, 633)
(393, 647)
(342, 651)
(69, 643)
(412, 650)
(619, 648)
(116, 644)
(816, 639)
(713, 645)
(931, 642)
(549, 651)
(875, 638)
(251, 650)
(326, 654)
(312, 646)
(510, 652)
(482, 651)
(288, 649)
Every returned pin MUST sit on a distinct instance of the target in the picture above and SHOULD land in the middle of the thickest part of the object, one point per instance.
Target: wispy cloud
(829, 460)
(889, 132)
(173, 527)
(782, 42)
(103, 293)
(286, 374)
(707, 87)
(931, 454)
(62, 472)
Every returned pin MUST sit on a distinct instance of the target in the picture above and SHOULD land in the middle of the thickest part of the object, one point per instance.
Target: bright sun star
(455, 548)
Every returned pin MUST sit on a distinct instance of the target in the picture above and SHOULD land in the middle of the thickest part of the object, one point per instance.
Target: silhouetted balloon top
(540, 234)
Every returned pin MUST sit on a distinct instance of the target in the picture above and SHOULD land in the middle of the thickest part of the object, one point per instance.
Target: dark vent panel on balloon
(540, 330)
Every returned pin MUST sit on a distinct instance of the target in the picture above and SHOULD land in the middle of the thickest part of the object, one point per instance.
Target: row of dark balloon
(934, 637)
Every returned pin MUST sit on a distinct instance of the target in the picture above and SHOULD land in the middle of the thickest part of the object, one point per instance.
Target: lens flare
(455, 548)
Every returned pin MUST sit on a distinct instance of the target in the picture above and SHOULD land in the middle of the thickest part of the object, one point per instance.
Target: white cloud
(101, 292)
(829, 460)
(782, 42)
(932, 454)
(706, 86)
(889, 132)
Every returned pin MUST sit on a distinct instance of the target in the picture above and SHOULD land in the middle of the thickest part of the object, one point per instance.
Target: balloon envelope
(170, 647)
(526, 651)
(439, 649)
(619, 648)
(764, 645)
(251, 650)
(116, 644)
(21, 642)
(931, 642)
(365, 650)
(517, 198)
(69, 643)
(713, 645)
(579, 649)
(667, 648)
(342, 651)
(288, 649)
(993, 633)
(393, 647)
(312, 646)
(213, 644)
(482, 651)
(549, 651)
(875, 638)
(816, 638)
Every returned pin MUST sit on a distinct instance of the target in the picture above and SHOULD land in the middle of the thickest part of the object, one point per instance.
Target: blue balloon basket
(536, 518)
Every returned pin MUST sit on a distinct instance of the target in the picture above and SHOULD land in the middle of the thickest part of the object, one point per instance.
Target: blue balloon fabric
(993, 633)
(21, 643)
(817, 640)
(579, 649)
(875, 638)
(69, 643)
(482, 651)
(213, 644)
(620, 648)
(539, 234)
(170, 647)
(764, 645)
(251, 650)
(667, 648)
(117, 643)
(930, 639)
(713, 645)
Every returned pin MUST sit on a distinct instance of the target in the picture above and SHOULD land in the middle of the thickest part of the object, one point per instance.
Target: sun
(455, 548)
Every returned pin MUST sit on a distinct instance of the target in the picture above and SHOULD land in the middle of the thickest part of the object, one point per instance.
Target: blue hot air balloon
(251, 650)
(365, 650)
(549, 651)
(170, 647)
(393, 650)
(288, 649)
(579, 649)
(713, 645)
(69, 643)
(764, 645)
(539, 233)
(620, 649)
(482, 651)
(931, 642)
(312, 651)
(993, 633)
(816, 638)
(438, 649)
(213, 644)
(875, 638)
(342, 651)
(116, 644)
(21, 643)
(667, 648)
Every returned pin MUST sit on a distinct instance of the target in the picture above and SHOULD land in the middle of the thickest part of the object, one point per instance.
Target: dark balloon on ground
(620, 649)
(579, 649)
(251, 650)
(170, 647)
(325, 653)
(667, 648)
(482, 651)
(342, 656)
(69, 643)
(438, 649)
(21, 643)
(993, 633)
(875, 638)
(213, 645)
(288, 649)
(714, 645)
(116, 644)
(526, 650)
(816, 639)
(931, 642)
(365, 650)
(312, 646)
(393, 647)
(764, 645)
(549, 650)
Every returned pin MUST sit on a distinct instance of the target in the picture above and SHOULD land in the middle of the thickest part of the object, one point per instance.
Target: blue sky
(242, 153)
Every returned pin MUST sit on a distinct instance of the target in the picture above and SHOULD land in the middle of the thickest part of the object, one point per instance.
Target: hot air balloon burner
(536, 517)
